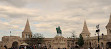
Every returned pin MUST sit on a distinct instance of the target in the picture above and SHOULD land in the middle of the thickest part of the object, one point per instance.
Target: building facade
(59, 41)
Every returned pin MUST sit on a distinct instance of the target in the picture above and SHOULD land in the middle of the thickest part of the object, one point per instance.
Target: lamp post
(98, 31)
(10, 33)
(102, 39)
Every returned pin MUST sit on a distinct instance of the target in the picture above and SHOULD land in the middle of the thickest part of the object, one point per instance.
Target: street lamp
(97, 31)
(102, 35)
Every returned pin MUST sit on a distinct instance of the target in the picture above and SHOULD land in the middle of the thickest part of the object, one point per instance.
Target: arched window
(101, 44)
(90, 44)
(95, 43)
(110, 30)
(26, 36)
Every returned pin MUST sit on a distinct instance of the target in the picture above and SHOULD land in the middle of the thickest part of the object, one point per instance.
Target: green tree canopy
(80, 41)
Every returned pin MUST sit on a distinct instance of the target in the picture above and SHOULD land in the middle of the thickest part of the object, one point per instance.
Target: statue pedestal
(59, 35)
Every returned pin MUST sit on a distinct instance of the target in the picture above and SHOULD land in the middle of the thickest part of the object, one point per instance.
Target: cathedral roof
(27, 27)
(85, 29)
(109, 24)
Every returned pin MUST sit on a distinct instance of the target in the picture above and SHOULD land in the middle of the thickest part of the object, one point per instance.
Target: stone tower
(85, 32)
(27, 32)
(108, 27)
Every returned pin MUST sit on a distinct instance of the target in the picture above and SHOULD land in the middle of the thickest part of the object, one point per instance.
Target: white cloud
(45, 16)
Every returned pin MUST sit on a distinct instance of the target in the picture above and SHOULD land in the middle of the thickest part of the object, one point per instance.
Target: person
(10, 48)
(5, 47)
(19, 47)
(81, 48)
(88, 47)
(22, 48)
(34, 46)
(102, 47)
(94, 48)
(25, 47)
(91, 48)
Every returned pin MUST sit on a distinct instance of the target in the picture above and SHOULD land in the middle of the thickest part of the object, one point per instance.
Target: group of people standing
(26, 47)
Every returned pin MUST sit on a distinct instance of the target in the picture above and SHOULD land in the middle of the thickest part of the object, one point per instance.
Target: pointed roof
(109, 24)
(85, 28)
(27, 27)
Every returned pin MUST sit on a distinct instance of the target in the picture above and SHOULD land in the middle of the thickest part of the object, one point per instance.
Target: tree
(36, 39)
(73, 36)
(37, 35)
(80, 41)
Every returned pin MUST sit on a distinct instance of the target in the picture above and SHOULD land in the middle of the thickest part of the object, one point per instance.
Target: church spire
(85, 28)
(109, 24)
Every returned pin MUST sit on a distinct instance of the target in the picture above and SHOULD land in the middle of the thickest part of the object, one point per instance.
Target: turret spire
(85, 32)
(27, 31)
(85, 28)
(109, 24)
(27, 27)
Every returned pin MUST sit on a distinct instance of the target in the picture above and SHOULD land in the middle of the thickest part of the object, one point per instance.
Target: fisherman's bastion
(59, 41)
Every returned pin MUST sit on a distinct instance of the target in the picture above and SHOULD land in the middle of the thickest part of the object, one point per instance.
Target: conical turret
(85, 28)
(85, 32)
(108, 27)
(27, 31)
(27, 27)
(109, 24)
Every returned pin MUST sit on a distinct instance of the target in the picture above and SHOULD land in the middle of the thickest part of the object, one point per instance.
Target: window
(26, 36)
(110, 30)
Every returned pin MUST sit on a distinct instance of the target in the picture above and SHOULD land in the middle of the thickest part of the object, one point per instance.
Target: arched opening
(68, 44)
(58, 48)
(15, 44)
(95, 44)
(102, 45)
(87, 43)
(64, 48)
(108, 45)
(26, 36)
(76, 43)
(90, 44)
(49, 45)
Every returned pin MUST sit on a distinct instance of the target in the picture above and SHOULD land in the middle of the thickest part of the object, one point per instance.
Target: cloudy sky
(46, 15)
